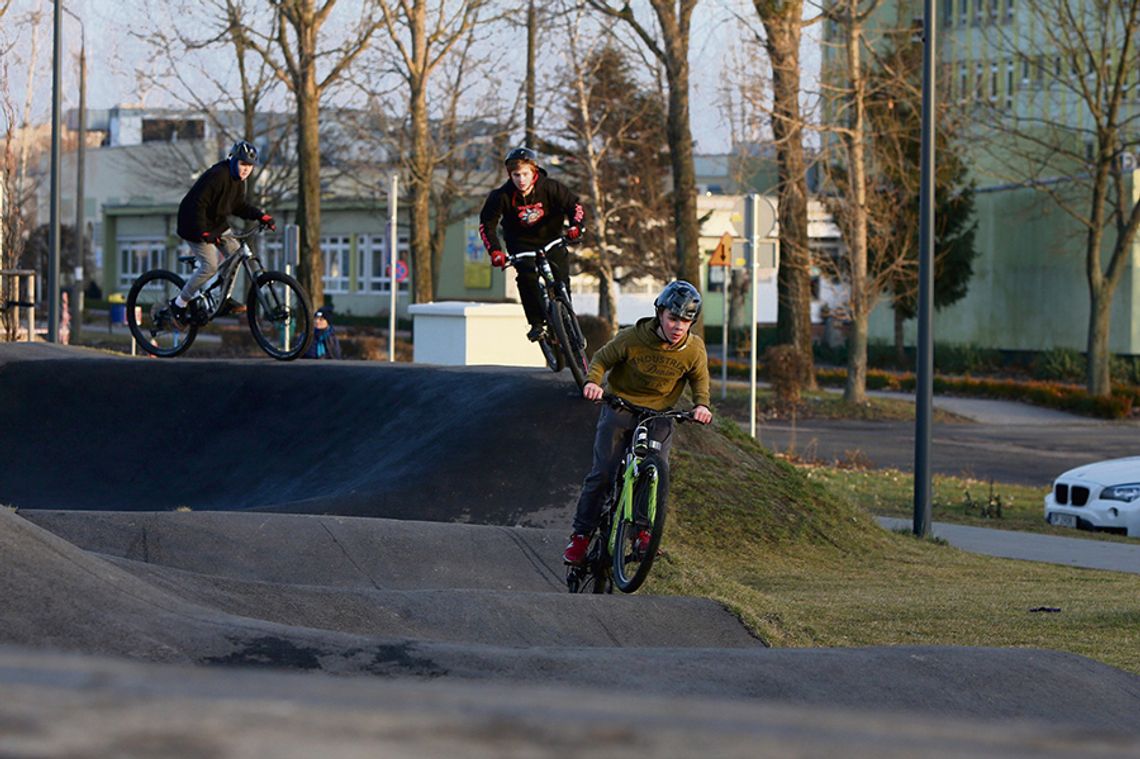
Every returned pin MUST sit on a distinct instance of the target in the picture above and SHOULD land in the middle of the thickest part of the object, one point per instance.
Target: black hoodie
(214, 197)
(529, 221)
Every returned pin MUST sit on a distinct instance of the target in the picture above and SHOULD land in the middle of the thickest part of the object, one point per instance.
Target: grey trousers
(611, 437)
(208, 257)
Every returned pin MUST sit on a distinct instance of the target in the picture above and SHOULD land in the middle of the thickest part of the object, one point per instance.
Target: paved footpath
(1008, 544)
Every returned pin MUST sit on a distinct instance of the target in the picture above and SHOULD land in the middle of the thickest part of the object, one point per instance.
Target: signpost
(763, 253)
(393, 189)
(722, 257)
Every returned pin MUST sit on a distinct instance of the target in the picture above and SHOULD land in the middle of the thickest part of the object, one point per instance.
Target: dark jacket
(214, 197)
(532, 221)
(325, 344)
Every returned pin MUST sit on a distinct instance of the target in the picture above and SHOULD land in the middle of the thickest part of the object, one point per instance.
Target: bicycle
(636, 503)
(567, 346)
(278, 309)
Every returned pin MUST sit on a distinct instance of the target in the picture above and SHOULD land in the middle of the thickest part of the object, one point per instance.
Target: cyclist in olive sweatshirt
(649, 365)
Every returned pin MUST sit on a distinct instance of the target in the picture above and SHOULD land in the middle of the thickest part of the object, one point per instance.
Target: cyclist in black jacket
(532, 207)
(203, 217)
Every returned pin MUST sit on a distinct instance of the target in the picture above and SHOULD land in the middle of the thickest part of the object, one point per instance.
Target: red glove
(208, 238)
(499, 259)
(267, 221)
(573, 234)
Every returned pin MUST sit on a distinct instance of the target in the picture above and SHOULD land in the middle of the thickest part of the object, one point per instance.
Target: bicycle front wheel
(280, 315)
(633, 557)
(570, 337)
(149, 318)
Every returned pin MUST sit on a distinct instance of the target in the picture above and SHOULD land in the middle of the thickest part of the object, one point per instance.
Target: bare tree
(424, 33)
(21, 147)
(1072, 136)
(671, 48)
(194, 68)
(294, 53)
(847, 87)
(783, 27)
(617, 153)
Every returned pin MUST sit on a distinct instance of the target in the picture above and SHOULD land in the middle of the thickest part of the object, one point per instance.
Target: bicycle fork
(625, 510)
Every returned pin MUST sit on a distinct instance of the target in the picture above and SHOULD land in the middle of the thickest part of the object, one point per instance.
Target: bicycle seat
(186, 259)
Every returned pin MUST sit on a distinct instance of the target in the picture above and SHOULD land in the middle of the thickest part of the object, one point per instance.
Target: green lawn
(795, 552)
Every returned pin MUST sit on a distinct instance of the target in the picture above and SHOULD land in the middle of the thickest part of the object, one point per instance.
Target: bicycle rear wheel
(631, 561)
(149, 318)
(570, 338)
(280, 315)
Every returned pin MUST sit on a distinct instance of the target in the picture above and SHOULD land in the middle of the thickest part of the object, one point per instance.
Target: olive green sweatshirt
(647, 371)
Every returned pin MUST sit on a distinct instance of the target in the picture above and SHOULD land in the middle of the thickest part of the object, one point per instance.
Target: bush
(1060, 365)
(786, 371)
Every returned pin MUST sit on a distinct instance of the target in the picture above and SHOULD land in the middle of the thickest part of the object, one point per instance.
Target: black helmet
(681, 299)
(244, 152)
(522, 154)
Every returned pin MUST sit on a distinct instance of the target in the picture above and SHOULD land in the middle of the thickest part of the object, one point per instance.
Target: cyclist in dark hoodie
(532, 207)
(203, 216)
(649, 365)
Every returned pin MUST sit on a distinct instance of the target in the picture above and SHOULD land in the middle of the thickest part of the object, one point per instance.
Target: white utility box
(460, 333)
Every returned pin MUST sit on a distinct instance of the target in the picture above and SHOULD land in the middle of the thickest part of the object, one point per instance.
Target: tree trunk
(607, 300)
(421, 160)
(311, 267)
(684, 176)
(900, 348)
(1099, 379)
(793, 315)
(420, 221)
(856, 389)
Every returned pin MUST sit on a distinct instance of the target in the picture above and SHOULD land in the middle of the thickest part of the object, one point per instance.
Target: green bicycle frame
(624, 508)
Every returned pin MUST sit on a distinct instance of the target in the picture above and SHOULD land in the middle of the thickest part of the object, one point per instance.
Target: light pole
(81, 163)
(53, 227)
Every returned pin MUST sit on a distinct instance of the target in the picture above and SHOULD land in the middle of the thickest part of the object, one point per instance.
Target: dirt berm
(131, 629)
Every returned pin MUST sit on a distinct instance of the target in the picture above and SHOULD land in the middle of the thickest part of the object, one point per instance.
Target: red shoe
(641, 545)
(575, 552)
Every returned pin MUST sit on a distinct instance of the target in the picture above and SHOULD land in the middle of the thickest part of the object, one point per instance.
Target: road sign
(722, 256)
(401, 271)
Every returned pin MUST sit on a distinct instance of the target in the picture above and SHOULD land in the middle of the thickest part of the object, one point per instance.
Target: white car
(1100, 496)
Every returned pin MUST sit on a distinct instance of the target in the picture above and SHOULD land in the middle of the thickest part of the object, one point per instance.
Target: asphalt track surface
(402, 562)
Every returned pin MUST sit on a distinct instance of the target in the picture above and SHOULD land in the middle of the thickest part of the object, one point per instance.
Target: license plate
(1064, 520)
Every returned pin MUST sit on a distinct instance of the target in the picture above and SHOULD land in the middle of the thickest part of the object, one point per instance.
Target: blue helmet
(242, 152)
(680, 299)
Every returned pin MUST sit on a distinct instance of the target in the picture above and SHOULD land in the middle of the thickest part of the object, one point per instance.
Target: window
(1009, 83)
(272, 253)
(139, 255)
(1009, 10)
(994, 10)
(337, 254)
(993, 81)
(948, 12)
(1025, 67)
(373, 271)
(172, 130)
(963, 82)
(963, 12)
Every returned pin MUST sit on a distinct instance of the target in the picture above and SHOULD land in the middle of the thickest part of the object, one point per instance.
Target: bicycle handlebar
(617, 402)
(512, 257)
(247, 233)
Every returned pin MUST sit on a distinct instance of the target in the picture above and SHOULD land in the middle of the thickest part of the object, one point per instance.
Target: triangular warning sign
(722, 256)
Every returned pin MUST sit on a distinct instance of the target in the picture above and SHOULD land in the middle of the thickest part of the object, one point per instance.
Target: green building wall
(1029, 291)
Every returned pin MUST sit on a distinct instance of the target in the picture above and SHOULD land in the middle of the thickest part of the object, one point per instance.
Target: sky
(115, 57)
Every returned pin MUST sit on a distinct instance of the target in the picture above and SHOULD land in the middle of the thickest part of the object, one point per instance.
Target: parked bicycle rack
(17, 299)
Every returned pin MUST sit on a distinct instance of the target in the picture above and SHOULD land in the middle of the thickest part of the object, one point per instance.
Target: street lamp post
(81, 163)
(53, 227)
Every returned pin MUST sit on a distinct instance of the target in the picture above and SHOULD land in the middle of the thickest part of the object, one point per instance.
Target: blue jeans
(611, 439)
